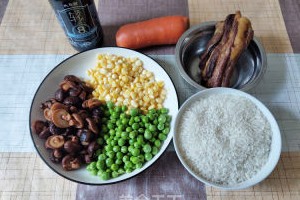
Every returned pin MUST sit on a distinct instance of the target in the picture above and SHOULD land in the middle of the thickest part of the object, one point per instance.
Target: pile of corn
(124, 81)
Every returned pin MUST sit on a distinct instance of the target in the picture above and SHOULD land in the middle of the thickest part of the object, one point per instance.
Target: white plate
(78, 65)
(275, 144)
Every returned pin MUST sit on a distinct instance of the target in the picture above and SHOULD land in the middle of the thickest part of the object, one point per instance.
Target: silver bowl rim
(203, 26)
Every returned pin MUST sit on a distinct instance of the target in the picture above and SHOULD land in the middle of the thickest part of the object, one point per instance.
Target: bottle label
(78, 22)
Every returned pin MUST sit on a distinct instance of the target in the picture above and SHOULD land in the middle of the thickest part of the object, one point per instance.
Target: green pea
(112, 132)
(150, 116)
(91, 166)
(121, 127)
(152, 128)
(136, 119)
(123, 116)
(124, 108)
(98, 152)
(106, 114)
(131, 121)
(147, 148)
(128, 129)
(131, 141)
(105, 176)
(134, 159)
(109, 162)
(113, 143)
(162, 136)
(155, 122)
(129, 170)
(128, 164)
(115, 115)
(135, 152)
(140, 139)
(119, 161)
(121, 142)
(145, 119)
(134, 112)
(100, 141)
(135, 126)
(147, 125)
(162, 119)
(169, 118)
(152, 111)
(106, 136)
(100, 165)
(124, 135)
(125, 121)
(157, 143)
(121, 171)
(124, 149)
(154, 150)
(116, 149)
(125, 158)
(104, 129)
(164, 110)
(119, 123)
(130, 148)
(147, 134)
(114, 167)
(160, 126)
(102, 157)
(118, 133)
(148, 156)
(110, 125)
(166, 130)
(114, 174)
(113, 121)
(118, 109)
(110, 104)
(137, 144)
(119, 155)
(141, 158)
(138, 165)
(110, 154)
(141, 130)
(132, 134)
(108, 148)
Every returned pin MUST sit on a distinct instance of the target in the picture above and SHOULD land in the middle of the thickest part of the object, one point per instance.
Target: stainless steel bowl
(249, 69)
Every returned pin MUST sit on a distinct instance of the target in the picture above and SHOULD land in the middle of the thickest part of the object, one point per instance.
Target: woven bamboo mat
(31, 28)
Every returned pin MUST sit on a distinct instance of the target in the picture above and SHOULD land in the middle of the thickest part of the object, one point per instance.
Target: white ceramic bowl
(78, 65)
(275, 144)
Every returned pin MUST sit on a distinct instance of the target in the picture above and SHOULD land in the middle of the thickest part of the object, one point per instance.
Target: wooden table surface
(30, 28)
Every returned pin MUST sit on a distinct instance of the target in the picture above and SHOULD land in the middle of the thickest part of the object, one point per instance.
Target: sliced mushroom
(85, 136)
(72, 78)
(60, 95)
(75, 91)
(61, 118)
(72, 101)
(57, 106)
(45, 133)
(38, 126)
(66, 85)
(48, 114)
(91, 103)
(93, 146)
(55, 130)
(56, 156)
(55, 142)
(83, 95)
(72, 147)
(70, 162)
(92, 125)
(76, 121)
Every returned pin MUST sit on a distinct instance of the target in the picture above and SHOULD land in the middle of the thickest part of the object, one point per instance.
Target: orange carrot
(156, 31)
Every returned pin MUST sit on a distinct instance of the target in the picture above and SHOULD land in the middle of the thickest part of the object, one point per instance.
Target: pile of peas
(128, 139)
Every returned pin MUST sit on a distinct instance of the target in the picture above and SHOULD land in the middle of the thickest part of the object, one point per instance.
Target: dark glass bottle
(80, 22)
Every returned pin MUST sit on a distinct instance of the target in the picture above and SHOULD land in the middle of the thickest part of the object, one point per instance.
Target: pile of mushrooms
(72, 124)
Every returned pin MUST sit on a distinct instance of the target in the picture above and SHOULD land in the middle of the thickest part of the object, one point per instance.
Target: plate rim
(57, 66)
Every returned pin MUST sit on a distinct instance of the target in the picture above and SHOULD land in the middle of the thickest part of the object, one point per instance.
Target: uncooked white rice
(225, 138)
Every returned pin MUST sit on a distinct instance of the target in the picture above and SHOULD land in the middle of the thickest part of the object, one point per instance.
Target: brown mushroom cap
(91, 103)
(55, 142)
(92, 125)
(66, 85)
(61, 118)
(76, 121)
(38, 126)
(72, 147)
(70, 162)
(48, 114)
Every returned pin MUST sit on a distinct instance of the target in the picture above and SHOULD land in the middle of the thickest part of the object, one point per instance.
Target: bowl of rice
(227, 138)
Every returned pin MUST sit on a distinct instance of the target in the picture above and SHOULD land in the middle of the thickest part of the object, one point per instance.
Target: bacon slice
(231, 37)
